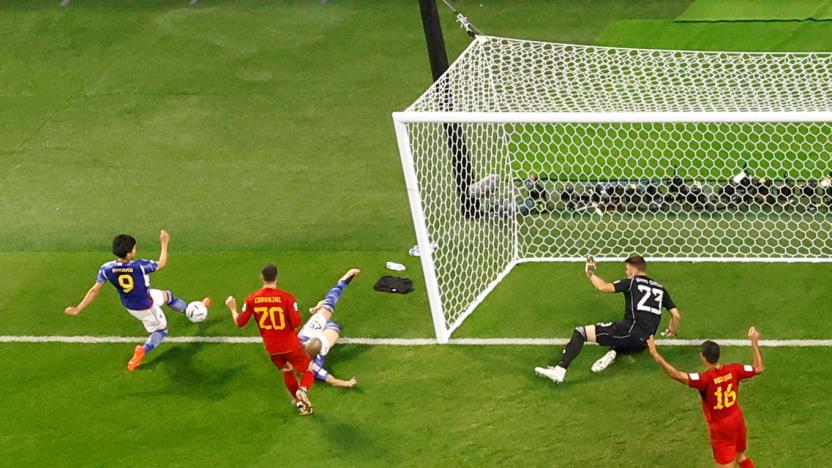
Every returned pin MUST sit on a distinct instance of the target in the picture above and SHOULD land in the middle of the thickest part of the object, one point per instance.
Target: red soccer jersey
(277, 317)
(720, 389)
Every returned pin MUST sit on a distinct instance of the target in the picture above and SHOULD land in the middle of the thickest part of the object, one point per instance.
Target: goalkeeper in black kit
(644, 299)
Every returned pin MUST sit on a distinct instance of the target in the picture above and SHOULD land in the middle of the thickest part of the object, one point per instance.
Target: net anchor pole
(460, 160)
(463, 21)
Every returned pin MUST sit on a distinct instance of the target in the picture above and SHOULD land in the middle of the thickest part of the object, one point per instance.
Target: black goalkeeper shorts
(622, 336)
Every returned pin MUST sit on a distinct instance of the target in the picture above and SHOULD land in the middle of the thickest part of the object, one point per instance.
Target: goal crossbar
(612, 117)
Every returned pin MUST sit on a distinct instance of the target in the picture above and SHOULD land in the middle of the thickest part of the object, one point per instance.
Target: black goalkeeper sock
(572, 349)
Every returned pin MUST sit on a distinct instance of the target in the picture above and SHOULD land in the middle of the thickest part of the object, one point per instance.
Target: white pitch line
(398, 341)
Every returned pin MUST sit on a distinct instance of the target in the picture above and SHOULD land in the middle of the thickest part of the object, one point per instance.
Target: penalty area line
(400, 341)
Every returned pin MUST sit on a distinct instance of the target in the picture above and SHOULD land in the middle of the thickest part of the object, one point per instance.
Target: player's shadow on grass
(342, 436)
(338, 361)
(187, 378)
(201, 328)
(347, 352)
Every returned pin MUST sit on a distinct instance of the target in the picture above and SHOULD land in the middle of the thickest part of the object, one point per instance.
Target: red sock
(746, 463)
(307, 379)
(291, 382)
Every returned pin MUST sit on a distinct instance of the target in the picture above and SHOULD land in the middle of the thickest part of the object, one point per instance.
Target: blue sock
(177, 304)
(334, 295)
(154, 340)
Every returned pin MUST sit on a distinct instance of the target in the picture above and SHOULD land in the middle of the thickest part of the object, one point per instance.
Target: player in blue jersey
(320, 333)
(131, 278)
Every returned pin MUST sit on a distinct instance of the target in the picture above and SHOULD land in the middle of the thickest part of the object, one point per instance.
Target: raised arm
(240, 319)
(164, 239)
(336, 382)
(598, 282)
(754, 336)
(92, 293)
(671, 371)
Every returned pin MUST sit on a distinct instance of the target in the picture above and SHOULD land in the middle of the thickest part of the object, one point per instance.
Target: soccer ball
(196, 311)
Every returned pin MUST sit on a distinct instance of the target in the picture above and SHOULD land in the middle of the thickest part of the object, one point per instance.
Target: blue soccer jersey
(317, 365)
(318, 368)
(131, 280)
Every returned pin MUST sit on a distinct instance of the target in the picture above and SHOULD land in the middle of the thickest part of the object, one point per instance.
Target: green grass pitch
(260, 131)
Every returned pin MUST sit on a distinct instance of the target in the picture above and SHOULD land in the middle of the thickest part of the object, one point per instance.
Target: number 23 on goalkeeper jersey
(276, 314)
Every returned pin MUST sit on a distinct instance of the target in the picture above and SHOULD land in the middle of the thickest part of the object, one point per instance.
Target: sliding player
(644, 299)
(320, 333)
(131, 278)
(719, 388)
(276, 315)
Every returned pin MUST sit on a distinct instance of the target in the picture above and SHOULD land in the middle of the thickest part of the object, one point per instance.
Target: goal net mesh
(497, 191)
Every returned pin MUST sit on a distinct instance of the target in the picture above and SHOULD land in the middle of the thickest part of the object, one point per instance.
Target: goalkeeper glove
(590, 266)
(668, 334)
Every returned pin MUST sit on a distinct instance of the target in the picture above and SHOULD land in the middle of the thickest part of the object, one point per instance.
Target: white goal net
(530, 151)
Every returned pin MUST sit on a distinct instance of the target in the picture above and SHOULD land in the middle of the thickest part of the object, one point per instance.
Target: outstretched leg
(334, 295)
(576, 343)
(573, 348)
(152, 341)
(174, 302)
(156, 325)
(177, 303)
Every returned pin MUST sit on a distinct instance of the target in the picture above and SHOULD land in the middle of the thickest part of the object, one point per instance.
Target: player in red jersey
(276, 314)
(719, 388)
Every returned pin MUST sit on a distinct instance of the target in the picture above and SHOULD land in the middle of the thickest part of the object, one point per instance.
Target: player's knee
(589, 332)
(578, 336)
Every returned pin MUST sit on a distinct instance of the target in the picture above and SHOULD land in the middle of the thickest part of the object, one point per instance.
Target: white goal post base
(541, 152)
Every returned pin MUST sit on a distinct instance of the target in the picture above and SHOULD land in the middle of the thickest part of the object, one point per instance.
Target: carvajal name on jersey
(267, 300)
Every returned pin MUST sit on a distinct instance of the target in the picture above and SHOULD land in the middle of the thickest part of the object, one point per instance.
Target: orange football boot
(138, 355)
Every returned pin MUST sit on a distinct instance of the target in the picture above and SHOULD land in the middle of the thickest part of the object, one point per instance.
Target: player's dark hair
(123, 244)
(637, 261)
(269, 273)
(710, 351)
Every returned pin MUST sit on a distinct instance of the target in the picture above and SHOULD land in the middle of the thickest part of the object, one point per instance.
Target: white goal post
(530, 151)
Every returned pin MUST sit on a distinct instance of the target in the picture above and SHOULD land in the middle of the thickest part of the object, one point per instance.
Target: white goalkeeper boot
(555, 374)
(604, 361)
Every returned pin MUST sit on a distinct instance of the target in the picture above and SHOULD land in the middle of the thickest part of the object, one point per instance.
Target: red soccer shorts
(297, 358)
(728, 438)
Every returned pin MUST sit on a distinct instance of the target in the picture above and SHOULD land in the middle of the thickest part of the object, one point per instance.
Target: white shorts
(314, 328)
(153, 318)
